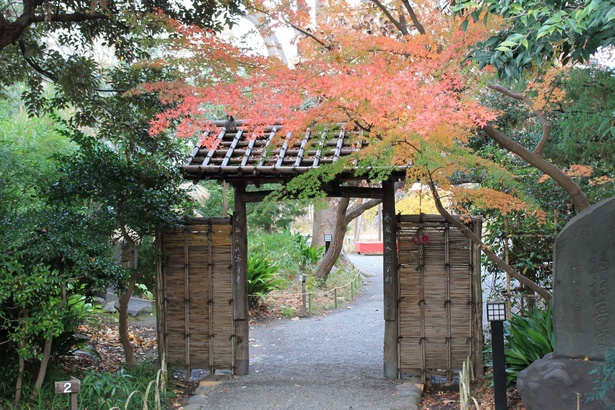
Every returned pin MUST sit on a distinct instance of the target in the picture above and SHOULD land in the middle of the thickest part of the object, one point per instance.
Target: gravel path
(328, 362)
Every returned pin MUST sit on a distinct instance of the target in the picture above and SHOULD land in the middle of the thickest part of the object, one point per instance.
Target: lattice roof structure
(273, 156)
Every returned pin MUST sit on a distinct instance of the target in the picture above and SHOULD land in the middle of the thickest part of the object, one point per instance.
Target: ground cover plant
(275, 288)
(262, 278)
(105, 381)
(528, 337)
(605, 381)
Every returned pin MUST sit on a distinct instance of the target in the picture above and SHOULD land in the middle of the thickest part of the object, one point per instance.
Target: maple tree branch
(366, 127)
(546, 125)
(411, 146)
(560, 177)
(402, 18)
(413, 16)
(357, 209)
(387, 13)
(481, 245)
(294, 26)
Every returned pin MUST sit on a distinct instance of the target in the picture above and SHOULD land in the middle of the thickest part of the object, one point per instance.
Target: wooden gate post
(390, 277)
(477, 307)
(240, 283)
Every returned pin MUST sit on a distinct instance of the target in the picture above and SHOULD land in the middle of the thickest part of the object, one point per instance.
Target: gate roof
(273, 155)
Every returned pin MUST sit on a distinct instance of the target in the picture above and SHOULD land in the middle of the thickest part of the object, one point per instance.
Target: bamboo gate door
(439, 296)
(432, 303)
(439, 300)
(195, 296)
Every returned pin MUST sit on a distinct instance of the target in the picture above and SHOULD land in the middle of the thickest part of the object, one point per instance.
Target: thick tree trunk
(339, 222)
(358, 224)
(127, 259)
(22, 365)
(324, 222)
(492, 256)
(123, 301)
(326, 264)
(42, 370)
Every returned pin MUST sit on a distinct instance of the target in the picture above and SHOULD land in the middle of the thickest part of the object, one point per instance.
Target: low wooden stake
(71, 387)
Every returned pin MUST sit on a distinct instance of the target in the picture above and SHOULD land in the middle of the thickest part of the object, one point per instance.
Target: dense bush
(279, 247)
(527, 339)
(291, 251)
(606, 379)
(101, 390)
(262, 278)
(308, 255)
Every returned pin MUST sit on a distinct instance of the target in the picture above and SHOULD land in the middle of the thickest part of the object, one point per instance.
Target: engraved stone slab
(584, 284)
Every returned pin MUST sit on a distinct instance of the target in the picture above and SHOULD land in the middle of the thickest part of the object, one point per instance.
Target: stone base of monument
(552, 383)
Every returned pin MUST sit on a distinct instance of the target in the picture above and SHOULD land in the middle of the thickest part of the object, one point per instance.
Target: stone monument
(583, 314)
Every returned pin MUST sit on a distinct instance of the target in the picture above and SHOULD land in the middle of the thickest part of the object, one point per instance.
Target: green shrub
(70, 341)
(308, 255)
(107, 390)
(606, 379)
(279, 247)
(527, 339)
(99, 390)
(262, 278)
(289, 313)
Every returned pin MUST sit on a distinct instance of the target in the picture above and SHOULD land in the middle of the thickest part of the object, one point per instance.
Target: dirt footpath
(328, 362)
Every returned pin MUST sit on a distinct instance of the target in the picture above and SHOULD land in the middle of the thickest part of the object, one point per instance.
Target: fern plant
(528, 338)
(605, 382)
(262, 278)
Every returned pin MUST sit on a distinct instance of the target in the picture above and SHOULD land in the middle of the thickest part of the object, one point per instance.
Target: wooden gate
(195, 302)
(440, 301)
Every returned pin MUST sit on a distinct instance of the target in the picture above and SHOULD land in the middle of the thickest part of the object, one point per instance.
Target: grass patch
(101, 391)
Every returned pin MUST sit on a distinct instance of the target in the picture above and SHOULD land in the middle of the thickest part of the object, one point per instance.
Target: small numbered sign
(71, 386)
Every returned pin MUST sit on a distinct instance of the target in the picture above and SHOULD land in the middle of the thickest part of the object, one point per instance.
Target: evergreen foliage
(527, 339)
(262, 278)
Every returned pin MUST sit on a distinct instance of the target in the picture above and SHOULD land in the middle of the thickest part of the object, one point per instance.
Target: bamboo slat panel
(197, 290)
(436, 283)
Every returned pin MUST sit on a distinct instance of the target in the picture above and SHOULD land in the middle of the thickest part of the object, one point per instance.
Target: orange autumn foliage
(574, 171)
(412, 95)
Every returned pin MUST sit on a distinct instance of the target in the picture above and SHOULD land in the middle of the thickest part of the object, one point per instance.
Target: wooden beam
(332, 191)
(390, 278)
(255, 196)
(353, 192)
(161, 306)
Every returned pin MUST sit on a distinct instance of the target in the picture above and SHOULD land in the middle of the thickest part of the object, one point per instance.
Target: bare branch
(12, 32)
(299, 29)
(71, 17)
(546, 125)
(414, 17)
(484, 248)
(402, 28)
(578, 196)
(358, 209)
(47, 74)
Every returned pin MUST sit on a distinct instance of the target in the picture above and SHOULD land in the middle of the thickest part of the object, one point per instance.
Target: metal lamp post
(496, 314)
(328, 238)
